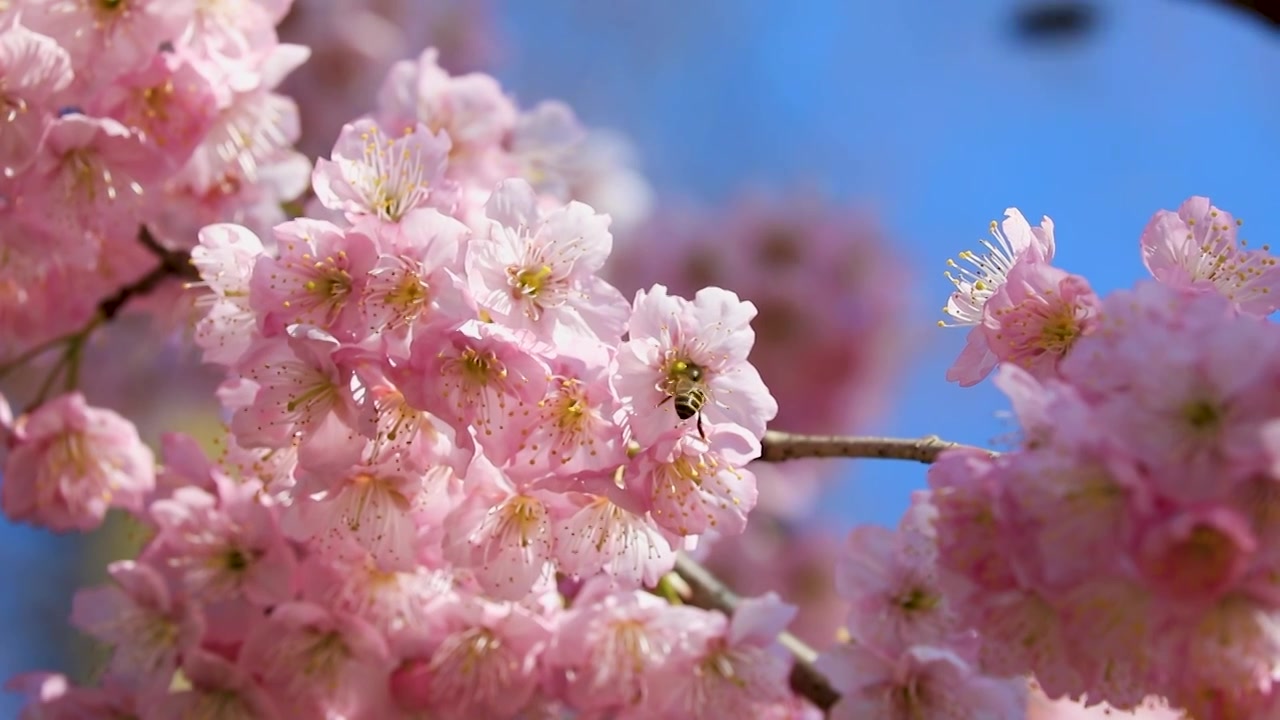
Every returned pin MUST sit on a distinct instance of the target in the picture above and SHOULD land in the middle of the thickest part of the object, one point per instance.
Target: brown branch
(173, 264)
(706, 591)
(778, 446)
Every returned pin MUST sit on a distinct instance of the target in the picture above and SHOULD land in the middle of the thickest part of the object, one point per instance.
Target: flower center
(917, 600)
(480, 367)
(1059, 331)
(235, 560)
(392, 176)
(325, 655)
(530, 281)
(1201, 414)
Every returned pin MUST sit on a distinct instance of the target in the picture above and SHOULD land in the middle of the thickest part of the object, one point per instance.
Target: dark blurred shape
(1268, 11)
(1046, 22)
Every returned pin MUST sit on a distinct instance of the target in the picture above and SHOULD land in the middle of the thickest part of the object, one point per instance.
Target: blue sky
(927, 108)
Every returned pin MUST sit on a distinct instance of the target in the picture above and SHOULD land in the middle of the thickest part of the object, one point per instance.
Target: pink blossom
(347, 579)
(471, 109)
(890, 579)
(225, 258)
(33, 69)
(1124, 656)
(95, 169)
(230, 197)
(728, 668)
(574, 429)
(1073, 510)
(1196, 557)
(483, 662)
(405, 437)
(275, 468)
(309, 657)
(1031, 320)
(544, 142)
(670, 339)
(1182, 381)
(255, 126)
(479, 377)
(147, 626)
(1196, 247)
(613, 651)
(225, 545)
(169, 100)
(373, 507)
(698, 485)
(915, 682)
(218, 690)
(384, 177)
(822, 278)
(966, 493)
(69, 462)
(975, 287)
(356, 43)
(234, 28)
(1223, 661)
(502, 532)
(412, 283)
(106, 41)
(317, 280)
(300, 387)
(610, 534)
(537, 271)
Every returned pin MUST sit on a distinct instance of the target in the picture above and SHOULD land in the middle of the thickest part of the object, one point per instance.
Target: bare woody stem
(173, 264)
(779, 446)
(704, 590)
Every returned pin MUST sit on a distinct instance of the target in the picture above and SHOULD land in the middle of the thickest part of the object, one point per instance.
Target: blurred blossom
(830, 334)
(828, 289)
(355, 42)
(795, 562)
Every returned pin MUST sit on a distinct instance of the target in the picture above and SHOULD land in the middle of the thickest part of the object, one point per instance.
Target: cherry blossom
(68, 462)
(674, 341)
(1197, 247)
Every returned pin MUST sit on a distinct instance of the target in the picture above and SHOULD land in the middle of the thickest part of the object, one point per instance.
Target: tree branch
(706, 591)
(173, 263)
(778, 446)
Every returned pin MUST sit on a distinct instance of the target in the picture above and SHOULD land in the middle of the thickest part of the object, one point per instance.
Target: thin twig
(706, 591)
(173, 264)
(778, 446)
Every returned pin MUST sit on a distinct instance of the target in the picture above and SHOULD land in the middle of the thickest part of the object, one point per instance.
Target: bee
(686, 387)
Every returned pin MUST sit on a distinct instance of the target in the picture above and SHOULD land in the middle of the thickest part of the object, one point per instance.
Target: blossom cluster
(154, 113)
(907, 652)
(457, 458)
(1127, 547)
(830, 330)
